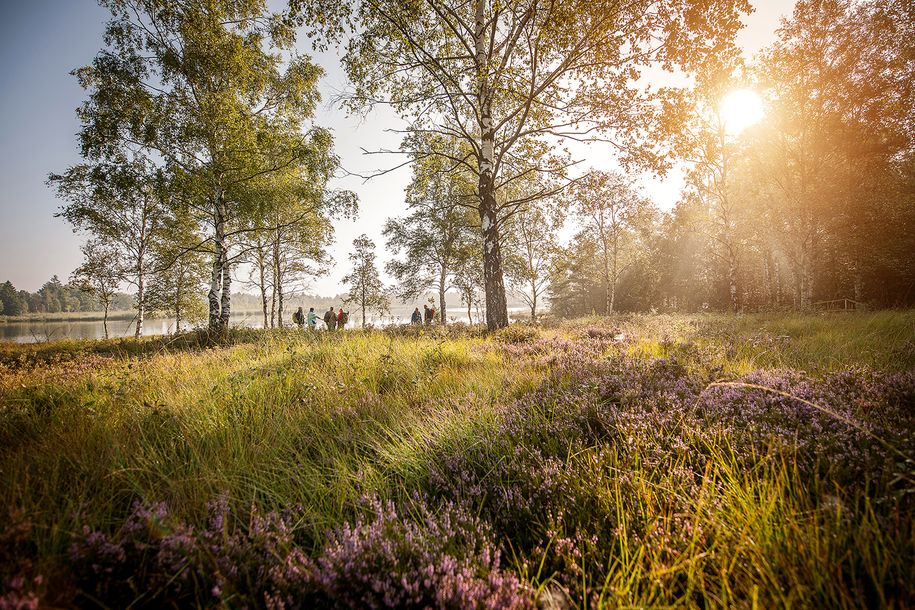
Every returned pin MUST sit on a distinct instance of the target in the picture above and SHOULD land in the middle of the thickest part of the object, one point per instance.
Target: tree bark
(533, 301)
(105, 320)
(213, 296)
(279, 306)
(493, 281)
(770, 280)
(262, 279)
(226, 304)
(441, 295)
(275, 274)
(141, 299)
(278, 278)
(616, 249)
(178, 304)
(732, 281)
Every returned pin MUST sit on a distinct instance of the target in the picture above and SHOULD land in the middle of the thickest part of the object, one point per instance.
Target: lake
(39, 330)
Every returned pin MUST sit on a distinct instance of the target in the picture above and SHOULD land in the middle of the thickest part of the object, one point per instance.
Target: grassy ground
(597, 459)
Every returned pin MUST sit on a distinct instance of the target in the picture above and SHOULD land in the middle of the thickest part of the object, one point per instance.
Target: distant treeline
(55, 297)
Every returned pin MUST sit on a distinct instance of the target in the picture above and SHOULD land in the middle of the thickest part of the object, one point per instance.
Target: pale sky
(41, 41)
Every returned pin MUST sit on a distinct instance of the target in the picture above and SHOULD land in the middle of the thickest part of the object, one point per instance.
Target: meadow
(753, 461)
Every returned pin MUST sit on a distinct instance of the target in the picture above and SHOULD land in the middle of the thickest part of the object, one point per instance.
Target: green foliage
(13, 304)
(494, 78)
(437, 237)
(215, 93)
(365, 288)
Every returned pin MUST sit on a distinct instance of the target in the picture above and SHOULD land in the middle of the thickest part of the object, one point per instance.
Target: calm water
(35, 331)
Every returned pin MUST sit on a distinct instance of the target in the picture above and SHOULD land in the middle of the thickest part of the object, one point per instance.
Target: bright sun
(741, 109)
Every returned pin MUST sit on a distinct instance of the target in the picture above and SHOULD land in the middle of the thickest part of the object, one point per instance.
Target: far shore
(88, 316)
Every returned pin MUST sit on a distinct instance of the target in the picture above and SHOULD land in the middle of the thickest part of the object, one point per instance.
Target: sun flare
(741, 109)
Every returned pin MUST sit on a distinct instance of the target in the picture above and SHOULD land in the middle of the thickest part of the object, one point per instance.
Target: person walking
(425, 313)
(299, 318)
(341, 319)
(312, 318)
(417, 318)
(330, 319)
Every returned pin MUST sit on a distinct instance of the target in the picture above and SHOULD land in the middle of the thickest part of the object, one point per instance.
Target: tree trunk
(272, 307)
(215, 286)
(278, 279)
(226, 296)
(105, 320)
(178, 303)
(141, 301)
(609, 282)
(219, 260)
(770, 279)
(274, 271)
(493, 282)
(141, 268)
(441, 295)
(732, 281)
(611, 279)
(262, 279)
(779, 291)
(533, 302)
(279, 306)
(806, 279)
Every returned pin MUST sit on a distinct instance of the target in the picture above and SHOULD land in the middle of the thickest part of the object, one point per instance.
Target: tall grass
(595, 453)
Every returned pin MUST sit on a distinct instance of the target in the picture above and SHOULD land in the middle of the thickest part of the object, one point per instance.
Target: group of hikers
(337, 320)
(334, 321)
(427, 317)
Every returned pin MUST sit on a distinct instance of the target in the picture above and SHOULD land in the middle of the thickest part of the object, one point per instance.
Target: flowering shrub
(562, 478)
(20, 586)
(443, 559)
(516, 333)
(620, 480)
(155, 560)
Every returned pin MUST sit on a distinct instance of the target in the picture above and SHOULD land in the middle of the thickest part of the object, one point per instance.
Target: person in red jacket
(341, 319)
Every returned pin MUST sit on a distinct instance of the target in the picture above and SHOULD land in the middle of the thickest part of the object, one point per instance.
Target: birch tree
(531, 248)
(211, 89)
(291, 228)
(611, 210)
(123, 204)
(498, 76)
(433, 238)
(99, 275)
(363, 281)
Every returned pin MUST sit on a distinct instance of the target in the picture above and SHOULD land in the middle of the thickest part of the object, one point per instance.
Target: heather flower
(434, 559)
